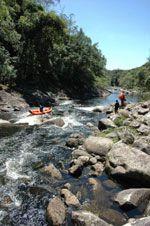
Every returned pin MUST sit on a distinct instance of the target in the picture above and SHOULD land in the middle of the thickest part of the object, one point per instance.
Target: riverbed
(25, 190)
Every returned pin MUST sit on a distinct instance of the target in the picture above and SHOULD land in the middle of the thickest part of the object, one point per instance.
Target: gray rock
(85, 218)
(70, 199)
(135, 124)
(142, 144)
(84, 159)
(93, 160)
(2, 121)
(145, 130)
(98, 145)
(143, 111)
(56, 212)
(57, 121)
(131, 198)
(67, 186)
(147, 211)
(145, 221)
(72, 142)
(76, 153)
(125, 162)
(105, 123)
(127, 138)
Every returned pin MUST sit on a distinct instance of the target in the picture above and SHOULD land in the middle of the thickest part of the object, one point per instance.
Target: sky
(121, 27)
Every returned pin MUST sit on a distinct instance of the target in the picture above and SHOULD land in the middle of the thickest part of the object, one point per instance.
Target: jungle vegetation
(39, 48)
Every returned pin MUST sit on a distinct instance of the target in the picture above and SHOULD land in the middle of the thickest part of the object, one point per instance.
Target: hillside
(137, 78)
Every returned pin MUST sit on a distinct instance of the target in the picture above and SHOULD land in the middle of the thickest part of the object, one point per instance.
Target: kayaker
(122, 98)
(116, 106)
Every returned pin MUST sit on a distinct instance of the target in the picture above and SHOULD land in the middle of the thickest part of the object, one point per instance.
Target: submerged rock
(56, 121)
(98, 145)
(85, 218)
(56, 212)
(52, 171)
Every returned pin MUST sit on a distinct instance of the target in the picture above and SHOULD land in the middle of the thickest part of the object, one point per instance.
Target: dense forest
(45, 50)
(137, 78)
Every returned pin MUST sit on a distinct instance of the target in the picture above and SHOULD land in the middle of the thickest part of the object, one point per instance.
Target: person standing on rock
(122, 98)
(116, 106)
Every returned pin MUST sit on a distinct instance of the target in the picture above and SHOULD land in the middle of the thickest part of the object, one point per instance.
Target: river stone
(124, 113)
(145, 221)
(52, 171)
(95, 183)
(125, 162)
(145, 130)
(72, 142)
(147, 211)
(76, 170)
(143, 111)
(97, 168)
(126, 137)
(70, 199)
(56, 212)
(143, 145)
(132, 198)
(98, 145)
(135, 124)
(85, 218)
(2, 121)
(76, 153)
(84, 159)
(105, 123)
(93, 160)
(114, 216)
(56, 121)
(99, 109)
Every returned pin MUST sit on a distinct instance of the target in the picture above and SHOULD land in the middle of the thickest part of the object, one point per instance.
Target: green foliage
(7, 70)
(49, 51)
(137, 78)
(119, 121)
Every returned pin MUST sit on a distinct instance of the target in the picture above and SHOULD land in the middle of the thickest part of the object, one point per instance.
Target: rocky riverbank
(122, 149)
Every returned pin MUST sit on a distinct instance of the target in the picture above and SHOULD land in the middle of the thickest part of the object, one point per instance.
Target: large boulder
(130, 164)
(105, 123)
(133, 198)
(98, 145)
(85, 218)
(56, 212)
(145, 221)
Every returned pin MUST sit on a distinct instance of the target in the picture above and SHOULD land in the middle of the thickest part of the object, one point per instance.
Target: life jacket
(122, 96)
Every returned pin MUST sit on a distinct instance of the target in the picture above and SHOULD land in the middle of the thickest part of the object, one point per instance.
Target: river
(25, 191)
